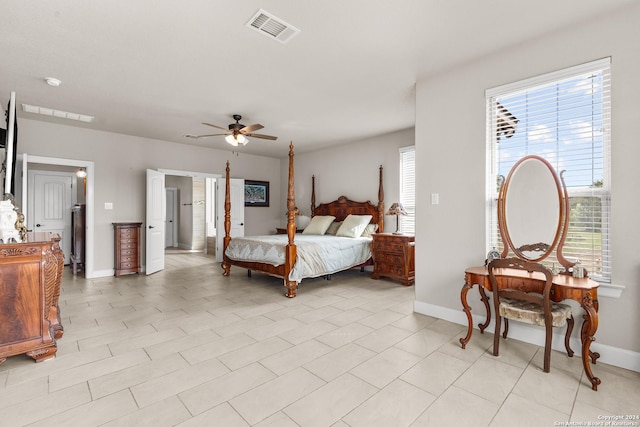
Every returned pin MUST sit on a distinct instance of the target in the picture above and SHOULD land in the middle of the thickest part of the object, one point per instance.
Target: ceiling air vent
(272, 27)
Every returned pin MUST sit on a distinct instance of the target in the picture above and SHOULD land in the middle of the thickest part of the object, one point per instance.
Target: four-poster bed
(293, 257)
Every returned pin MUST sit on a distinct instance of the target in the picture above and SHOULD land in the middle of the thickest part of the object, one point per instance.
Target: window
(408, 189)
(564, 117)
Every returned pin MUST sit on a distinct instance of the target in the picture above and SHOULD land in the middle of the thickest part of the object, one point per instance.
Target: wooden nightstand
(284, 230)
(394, 257)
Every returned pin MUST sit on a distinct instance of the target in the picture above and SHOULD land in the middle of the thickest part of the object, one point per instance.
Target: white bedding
(317, 255)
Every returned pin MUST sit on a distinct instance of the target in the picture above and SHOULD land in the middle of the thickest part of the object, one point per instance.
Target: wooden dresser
(394, 257)
(30, 276)
(126, 247)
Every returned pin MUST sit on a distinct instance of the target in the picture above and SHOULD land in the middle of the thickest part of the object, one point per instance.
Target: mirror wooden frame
(545, 249)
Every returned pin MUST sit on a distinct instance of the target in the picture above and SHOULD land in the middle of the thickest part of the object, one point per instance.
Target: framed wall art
(256, 193)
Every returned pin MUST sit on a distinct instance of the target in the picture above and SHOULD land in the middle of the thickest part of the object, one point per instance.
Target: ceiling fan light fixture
(236, 139)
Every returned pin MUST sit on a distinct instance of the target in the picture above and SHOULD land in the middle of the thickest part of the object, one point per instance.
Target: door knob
(38, 225)
(151, 226)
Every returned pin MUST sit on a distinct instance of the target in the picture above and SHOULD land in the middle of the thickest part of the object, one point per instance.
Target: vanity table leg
(467, 311)
(485, 300)
(589, 327)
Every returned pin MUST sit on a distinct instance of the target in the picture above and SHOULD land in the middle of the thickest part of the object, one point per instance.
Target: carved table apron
(584, 291)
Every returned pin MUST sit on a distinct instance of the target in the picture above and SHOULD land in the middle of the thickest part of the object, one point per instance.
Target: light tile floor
(189, 347)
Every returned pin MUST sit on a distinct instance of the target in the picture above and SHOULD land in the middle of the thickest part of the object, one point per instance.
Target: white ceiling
(158, 68)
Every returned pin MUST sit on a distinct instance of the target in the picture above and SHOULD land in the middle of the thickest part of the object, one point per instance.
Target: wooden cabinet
(30, 276)
(394, 257)
(78, 217)
(284, 230)
(126, 247)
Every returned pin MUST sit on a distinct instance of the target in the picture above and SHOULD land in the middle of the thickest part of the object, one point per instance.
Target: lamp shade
(396, 209)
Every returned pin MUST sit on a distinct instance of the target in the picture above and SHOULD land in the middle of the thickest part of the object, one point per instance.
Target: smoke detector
(52, 81)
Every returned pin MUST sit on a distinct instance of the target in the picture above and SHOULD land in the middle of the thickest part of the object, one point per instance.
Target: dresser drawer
(129, 243)
(388, 258)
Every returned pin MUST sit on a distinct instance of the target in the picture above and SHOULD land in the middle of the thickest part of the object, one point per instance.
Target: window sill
(609, 290)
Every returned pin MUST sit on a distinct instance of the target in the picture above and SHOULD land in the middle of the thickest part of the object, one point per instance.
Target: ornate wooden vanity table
(533, 209)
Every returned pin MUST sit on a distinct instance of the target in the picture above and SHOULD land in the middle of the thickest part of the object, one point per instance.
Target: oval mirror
(532, 209)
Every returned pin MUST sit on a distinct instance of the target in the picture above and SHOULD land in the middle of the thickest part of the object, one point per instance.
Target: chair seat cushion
(532, 313)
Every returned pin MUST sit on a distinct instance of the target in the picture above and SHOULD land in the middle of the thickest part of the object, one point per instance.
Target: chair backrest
(506, 283)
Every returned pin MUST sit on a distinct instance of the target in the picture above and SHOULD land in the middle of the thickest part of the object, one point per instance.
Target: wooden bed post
(313, 195)
(291, 251)
(380, 204)
(227, 223)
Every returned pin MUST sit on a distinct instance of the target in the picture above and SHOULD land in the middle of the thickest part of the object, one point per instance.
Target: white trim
(189, 174)
(565, 73)
(615, 356)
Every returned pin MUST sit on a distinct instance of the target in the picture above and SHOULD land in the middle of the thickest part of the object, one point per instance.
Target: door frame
(89, 226)
(192, 174)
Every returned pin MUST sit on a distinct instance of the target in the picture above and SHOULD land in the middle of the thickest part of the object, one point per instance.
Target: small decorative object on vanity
(396, 209)
(578, 270)
(491, 255)
(12, 229)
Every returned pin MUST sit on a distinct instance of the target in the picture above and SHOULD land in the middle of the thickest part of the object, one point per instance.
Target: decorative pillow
(353, 225)
(319, 224)
(333, 228)
(369, 230)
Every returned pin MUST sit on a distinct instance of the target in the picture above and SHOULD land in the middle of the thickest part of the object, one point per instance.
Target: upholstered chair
(515, 300)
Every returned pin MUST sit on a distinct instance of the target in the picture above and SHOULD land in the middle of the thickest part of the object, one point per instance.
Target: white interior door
(237, 211)
(155, 228)
(49, 207)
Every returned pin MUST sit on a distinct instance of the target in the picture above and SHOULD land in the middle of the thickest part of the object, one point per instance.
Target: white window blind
(564, 117)
(408, 189)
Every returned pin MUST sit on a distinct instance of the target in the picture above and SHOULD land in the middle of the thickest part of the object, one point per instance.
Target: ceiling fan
(237, 132)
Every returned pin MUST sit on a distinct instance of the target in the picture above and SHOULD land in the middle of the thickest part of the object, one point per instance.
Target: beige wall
(120, 174)
(351, 170)
(451, 154)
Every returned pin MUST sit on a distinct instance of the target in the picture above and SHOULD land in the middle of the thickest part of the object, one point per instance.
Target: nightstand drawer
(388, 258)
(389, 246)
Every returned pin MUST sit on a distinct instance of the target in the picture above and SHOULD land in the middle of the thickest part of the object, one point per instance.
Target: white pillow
(319, 224)
(353, 225)
(369, 230)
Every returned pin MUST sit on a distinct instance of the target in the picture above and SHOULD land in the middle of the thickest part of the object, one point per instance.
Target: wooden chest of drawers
(30, 275)
(394, 257)
(126, 247)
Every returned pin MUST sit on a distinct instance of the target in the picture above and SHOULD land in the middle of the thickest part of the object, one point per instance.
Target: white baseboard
(101, 273)
(615, 356)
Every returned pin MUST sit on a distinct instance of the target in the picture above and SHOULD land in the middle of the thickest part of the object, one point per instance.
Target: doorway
(52, 195)
(195, 211)
(56, 164)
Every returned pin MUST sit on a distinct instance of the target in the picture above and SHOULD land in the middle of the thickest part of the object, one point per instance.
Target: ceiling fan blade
(204, 136)
(251, 128)
(258, 135)
(215, 126)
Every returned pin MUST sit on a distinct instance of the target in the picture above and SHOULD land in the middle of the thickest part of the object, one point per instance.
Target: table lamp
(396, 209)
